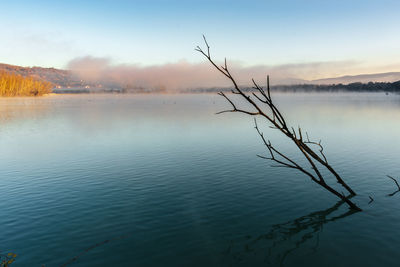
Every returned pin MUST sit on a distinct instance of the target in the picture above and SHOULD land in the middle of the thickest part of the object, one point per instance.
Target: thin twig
(89, 249)
(398, 186)
(371, 200)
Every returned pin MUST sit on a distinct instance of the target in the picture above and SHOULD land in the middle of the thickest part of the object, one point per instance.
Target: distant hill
(66, 80)
(362, 78)
(61, 78)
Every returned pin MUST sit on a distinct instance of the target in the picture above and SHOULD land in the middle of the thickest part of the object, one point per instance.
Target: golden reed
(17, 85)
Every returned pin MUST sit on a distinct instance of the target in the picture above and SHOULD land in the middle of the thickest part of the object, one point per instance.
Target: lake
(160, 180)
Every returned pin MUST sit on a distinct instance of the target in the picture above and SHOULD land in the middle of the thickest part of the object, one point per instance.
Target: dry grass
(16, 85)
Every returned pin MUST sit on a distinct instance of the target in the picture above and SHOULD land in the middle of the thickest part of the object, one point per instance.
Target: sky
(344, 37)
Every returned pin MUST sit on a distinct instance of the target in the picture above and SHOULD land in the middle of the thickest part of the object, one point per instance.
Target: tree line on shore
(393, 87)
(351, 87)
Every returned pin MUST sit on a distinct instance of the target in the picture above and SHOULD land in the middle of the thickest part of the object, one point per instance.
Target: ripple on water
(184, 187)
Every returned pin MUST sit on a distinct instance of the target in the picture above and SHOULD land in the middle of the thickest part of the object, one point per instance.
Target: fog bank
(185, 75)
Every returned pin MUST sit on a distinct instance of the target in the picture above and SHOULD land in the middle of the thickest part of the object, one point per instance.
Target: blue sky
(364, 34)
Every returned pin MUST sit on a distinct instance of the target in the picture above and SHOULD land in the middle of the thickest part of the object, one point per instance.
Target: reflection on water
(284, 238)
(19, 108)
(180, 182)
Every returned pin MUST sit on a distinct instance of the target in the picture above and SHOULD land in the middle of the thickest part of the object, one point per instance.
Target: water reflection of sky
(180, 180)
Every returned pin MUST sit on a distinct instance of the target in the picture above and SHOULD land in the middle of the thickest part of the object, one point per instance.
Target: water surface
(170, 183)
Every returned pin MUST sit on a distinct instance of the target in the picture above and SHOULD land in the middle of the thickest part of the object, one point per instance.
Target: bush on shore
(17, 85)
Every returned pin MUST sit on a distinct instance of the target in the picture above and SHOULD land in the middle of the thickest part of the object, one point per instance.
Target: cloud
(90, 68)
(185, 75)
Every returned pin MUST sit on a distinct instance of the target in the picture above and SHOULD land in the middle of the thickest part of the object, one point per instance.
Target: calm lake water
(169, 183)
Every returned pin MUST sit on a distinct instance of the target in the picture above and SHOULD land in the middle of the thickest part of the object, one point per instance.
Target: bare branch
(289, 164)
(321, 148)
(371, 200)
(235, 109)
(278, 122)
(72, 260)
(398, 186)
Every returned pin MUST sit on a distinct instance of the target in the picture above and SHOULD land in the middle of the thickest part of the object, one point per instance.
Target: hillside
(66, 80)
(61, 78)
(362, 78)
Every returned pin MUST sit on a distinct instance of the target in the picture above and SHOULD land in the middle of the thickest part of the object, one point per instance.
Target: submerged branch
(89, 249)
(397, 184)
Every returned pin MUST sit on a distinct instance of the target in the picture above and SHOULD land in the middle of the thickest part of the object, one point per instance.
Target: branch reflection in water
(274, 247)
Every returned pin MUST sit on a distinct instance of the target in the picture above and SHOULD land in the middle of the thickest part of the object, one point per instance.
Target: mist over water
(183, 186)
(186, 75)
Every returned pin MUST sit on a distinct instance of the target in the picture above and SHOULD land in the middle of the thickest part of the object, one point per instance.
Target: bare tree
(261, 100)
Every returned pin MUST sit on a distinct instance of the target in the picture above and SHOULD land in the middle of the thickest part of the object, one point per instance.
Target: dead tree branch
(260, 101)
(397, 184)
(370, 200)
(74, 259)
